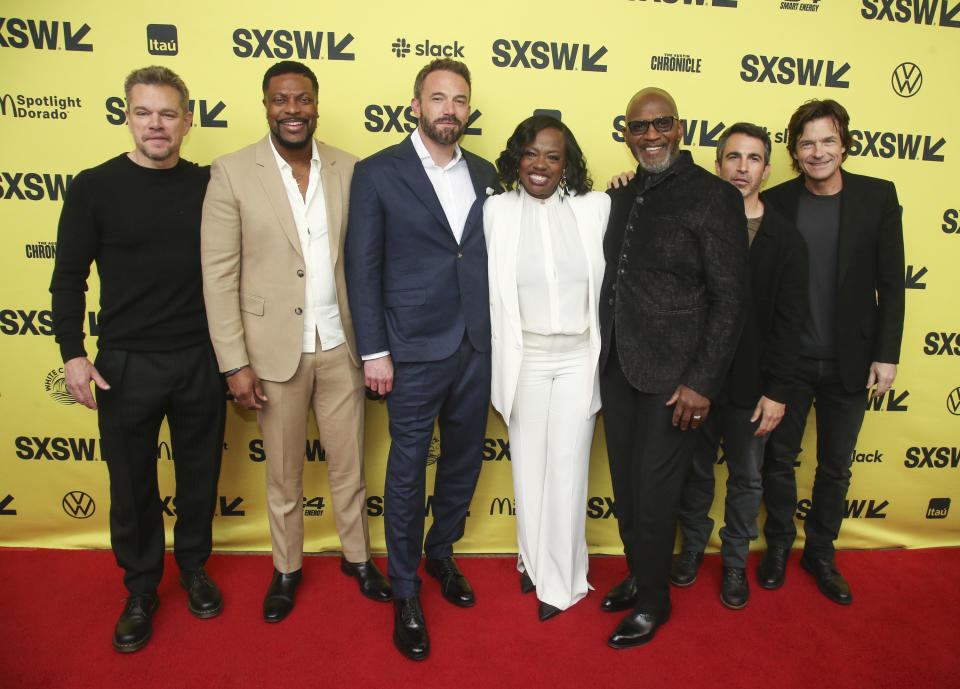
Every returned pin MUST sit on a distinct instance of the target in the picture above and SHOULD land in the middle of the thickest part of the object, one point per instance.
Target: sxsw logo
(917, 11)
(503, 506)
(162, 39)
(33, 186)
(21, 322)
(374, 505)
(906, 79)
(428, 508)
(695, 132)
(496, 449)
(888, 401)
(950, 224)
(56, 448)
(853, 509)
(401, 48)
(285, 43)
(939, 343)
(697, 3)
(932, 457)
(543, 55)
(228, 508)
(314, 452)
(913, 277)
(42, 34)
(938, 508)
(789, 70)
(203, 114)
(400, 118)
(896, 145)
(600, 507)
(4, 510)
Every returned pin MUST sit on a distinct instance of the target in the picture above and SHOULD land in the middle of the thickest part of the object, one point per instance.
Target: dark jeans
(456, 392)
(839, 415)
(743, 455)
(185, 387)
(649, 460)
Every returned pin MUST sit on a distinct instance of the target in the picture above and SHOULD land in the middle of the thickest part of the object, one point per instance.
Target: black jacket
(870, 269)
(766, 357)
(676, 278)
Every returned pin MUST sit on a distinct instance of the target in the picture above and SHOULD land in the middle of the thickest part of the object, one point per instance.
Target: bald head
(652, 93)
(653, 129)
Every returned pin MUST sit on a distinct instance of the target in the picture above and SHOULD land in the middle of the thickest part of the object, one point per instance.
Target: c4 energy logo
(919, 457)
(906, 79)
(36, 107)
(953, 402)
(56, 386)
(78, 504)
(938, 508)
(400, 118)
(793, 70)
(401, 48)
(543, 55)
(33, 186)
(896, 145)
(285, 44)
(204, 115)
(313, 507)
(162, 39)
(674, 62)
(811, 6)
(43, 34)
(921, 12)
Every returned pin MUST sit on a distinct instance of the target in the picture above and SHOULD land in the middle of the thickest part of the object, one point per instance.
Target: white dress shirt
(451, 182)
(321, 314)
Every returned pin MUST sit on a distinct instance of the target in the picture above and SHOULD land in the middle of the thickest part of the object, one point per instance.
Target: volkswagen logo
(907, 79)
(953, 402)
(78, 504)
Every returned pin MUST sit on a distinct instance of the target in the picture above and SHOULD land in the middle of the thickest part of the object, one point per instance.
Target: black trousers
(839, 415)
(185, 387)
(649, 462)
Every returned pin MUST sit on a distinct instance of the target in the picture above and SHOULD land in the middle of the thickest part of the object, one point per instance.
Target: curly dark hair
(575, 168)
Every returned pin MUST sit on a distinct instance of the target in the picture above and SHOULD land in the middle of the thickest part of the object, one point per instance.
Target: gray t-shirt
(818, 219)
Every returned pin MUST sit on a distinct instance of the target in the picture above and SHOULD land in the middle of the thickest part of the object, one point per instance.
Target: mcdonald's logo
(503, 505)
(78, 504)
(7, 98)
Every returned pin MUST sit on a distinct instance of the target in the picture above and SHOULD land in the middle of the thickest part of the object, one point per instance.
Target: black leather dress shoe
(830, 582)
(203, 597)
(772, 569)
(734, 589)
(636, 628)
(683, 571)
(546, 611)
(526, 583)
(279, 599)
(409, 628)
(453, 585)
(623, 596)
(133, 628)
(372, 583)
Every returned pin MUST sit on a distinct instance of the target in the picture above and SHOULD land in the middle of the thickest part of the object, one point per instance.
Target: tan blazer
(253, 266)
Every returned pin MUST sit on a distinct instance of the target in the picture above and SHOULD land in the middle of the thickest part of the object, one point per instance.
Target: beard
(443, 136)
(294, 144)
(672, 154)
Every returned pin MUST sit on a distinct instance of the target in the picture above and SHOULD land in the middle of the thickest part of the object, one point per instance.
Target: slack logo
(938, 508)
(162, 39)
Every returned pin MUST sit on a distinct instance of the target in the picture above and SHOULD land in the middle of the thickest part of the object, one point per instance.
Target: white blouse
(551, 268)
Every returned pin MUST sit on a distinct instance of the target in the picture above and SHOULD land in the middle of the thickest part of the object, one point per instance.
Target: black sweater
(142, 227)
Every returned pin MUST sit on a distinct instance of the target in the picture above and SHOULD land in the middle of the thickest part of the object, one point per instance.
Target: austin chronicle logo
(953, 402)
(907, 79)
(56, 386)
(400, 47)
(78, 504)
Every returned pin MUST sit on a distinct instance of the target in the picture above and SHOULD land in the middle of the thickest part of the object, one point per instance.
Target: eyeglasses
(661, 124)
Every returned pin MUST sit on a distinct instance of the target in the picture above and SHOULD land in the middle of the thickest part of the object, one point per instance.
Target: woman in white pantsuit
(545, 257)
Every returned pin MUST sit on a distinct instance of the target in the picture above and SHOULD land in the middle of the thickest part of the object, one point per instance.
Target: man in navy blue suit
(416, 270)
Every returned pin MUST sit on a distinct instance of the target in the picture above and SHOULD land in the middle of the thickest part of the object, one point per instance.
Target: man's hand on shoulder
(621, 180)
(78, 373)
(881, 376)
(378, 374)
(245, 388)
(690, 408)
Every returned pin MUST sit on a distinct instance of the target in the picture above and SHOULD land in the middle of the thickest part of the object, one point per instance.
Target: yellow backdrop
(63, 66)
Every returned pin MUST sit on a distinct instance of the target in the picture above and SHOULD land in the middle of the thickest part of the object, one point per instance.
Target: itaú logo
(78, 504)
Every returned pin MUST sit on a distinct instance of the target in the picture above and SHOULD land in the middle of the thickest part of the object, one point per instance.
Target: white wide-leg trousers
(550, 437)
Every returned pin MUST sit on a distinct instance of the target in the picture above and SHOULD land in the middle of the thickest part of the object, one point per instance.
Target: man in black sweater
(138, 216)
(752, 401)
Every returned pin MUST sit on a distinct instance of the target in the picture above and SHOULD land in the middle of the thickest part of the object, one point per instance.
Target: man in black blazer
(760, 379)
(851, 338)
(671, 309)
(416, 271)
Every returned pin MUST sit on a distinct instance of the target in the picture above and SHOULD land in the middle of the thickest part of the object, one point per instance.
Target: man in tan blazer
(274, 220)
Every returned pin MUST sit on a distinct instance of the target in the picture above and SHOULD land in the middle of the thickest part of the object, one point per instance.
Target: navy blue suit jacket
(412, 289)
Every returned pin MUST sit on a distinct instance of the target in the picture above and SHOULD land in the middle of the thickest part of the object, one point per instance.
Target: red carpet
(59, 608)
